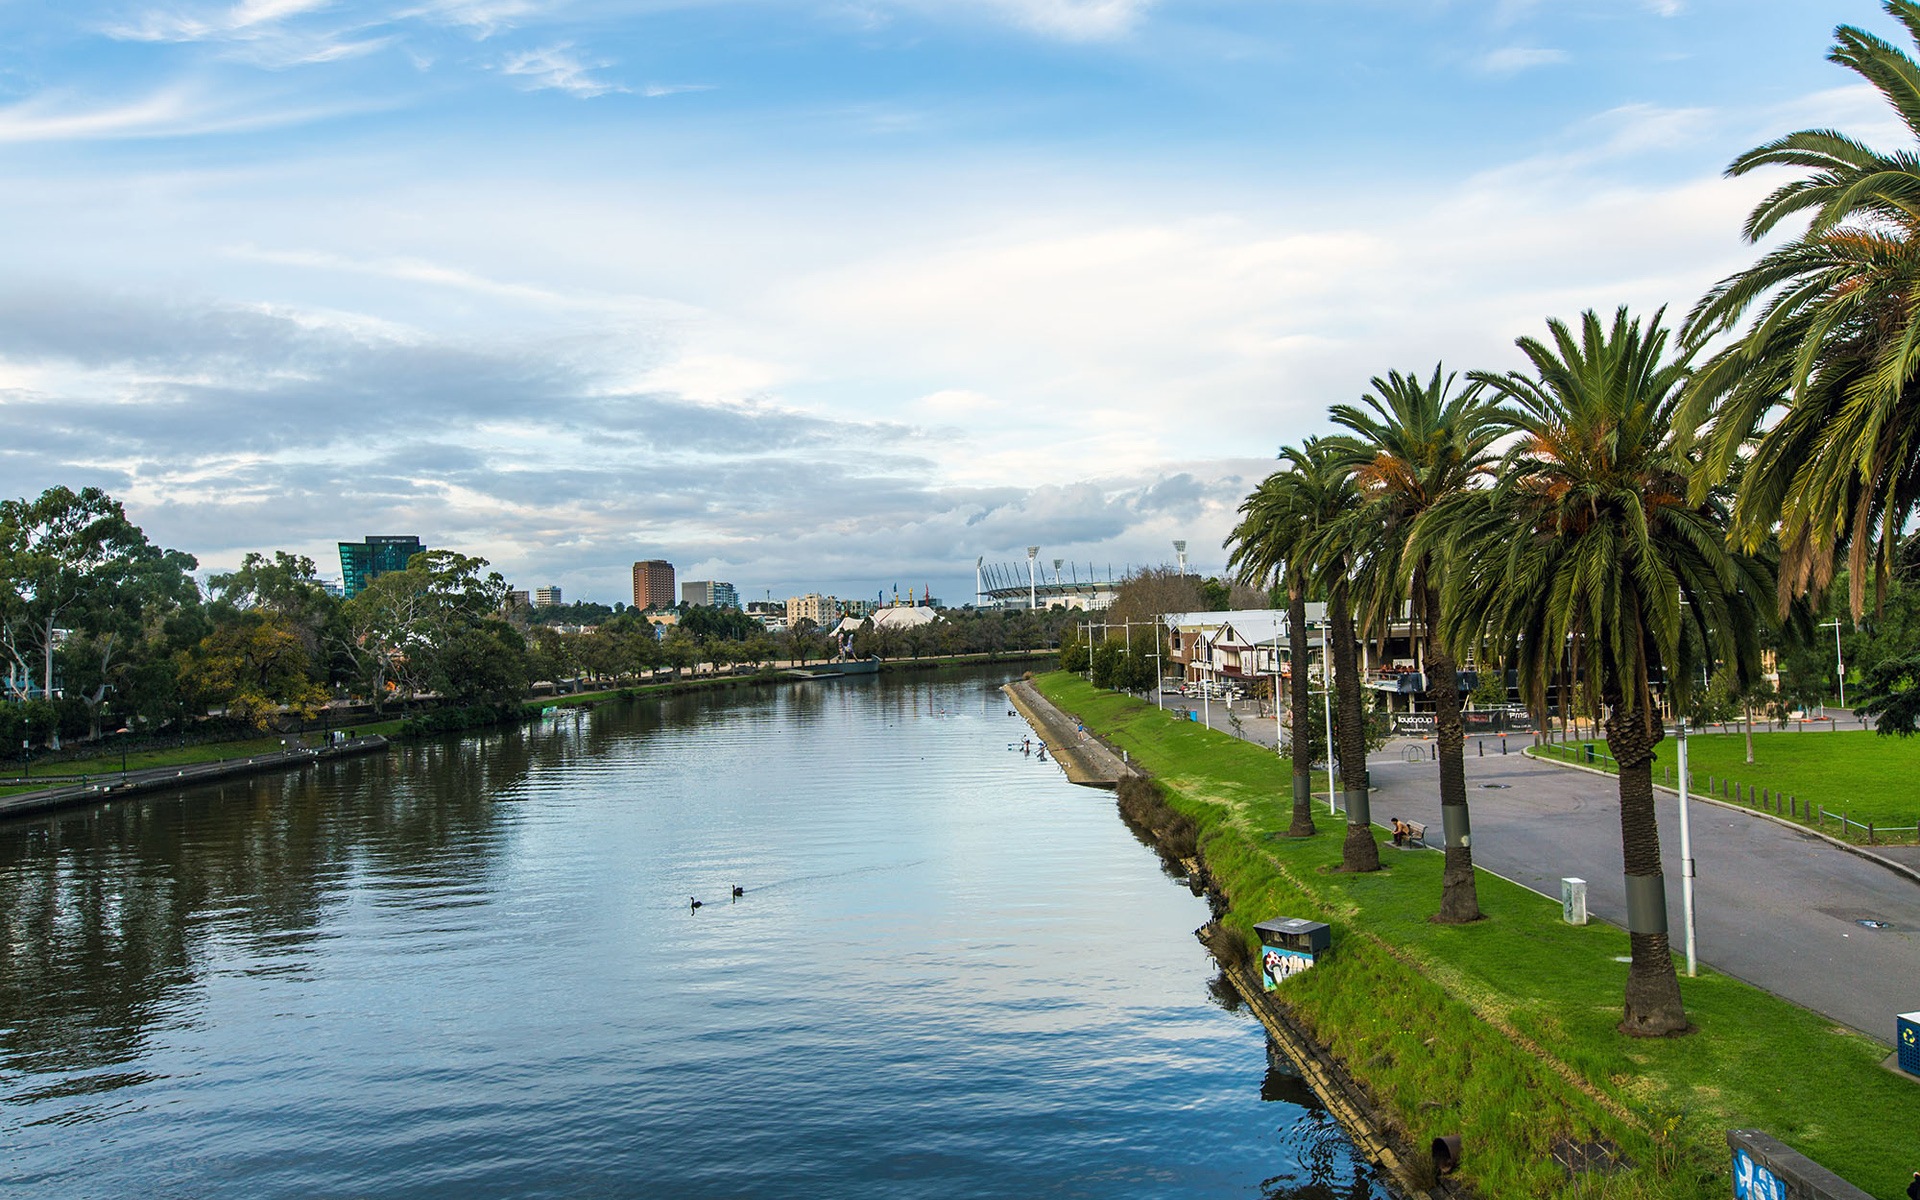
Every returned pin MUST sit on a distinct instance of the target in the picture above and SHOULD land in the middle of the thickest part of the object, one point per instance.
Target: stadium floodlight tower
(979, 588)
(1057, 564)
(1033, 583)
(1180, 548)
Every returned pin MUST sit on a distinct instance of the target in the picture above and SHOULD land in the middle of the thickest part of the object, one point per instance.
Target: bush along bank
(1502, 1031)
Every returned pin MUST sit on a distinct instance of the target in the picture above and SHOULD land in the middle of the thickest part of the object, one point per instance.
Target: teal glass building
(363, 562)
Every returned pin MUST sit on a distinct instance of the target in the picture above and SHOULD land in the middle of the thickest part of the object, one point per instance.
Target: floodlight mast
(1180, 548)
(1033, 585)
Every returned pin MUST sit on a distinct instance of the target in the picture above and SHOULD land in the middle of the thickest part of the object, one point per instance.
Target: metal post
(1326, 660)
(1686, 853)
(1276, 689)
(1206, 687)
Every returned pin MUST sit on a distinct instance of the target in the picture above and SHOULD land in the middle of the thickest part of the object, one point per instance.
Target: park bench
(1418, 837)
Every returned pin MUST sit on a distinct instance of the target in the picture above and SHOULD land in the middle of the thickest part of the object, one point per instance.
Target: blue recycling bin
(1907, 1038)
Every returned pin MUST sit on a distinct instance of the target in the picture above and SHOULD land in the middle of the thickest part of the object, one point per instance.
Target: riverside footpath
(1504, 1031)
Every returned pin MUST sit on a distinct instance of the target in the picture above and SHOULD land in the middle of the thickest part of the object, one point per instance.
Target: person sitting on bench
(1402, 832)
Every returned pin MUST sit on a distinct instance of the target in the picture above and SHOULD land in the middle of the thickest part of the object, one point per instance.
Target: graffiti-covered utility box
(1288, 946)
(1907, 1038)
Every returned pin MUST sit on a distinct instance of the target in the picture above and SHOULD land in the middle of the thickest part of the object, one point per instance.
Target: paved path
(1775, 906)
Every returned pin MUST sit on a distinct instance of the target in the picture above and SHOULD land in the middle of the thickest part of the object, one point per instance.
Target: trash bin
(1288, 946)
(1907, 1038)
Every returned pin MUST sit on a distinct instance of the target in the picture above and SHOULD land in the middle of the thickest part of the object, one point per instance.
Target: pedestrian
(1913, 1189)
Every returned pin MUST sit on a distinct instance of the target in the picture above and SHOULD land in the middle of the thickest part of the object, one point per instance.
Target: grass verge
(1503, 1031)
(1851, 772)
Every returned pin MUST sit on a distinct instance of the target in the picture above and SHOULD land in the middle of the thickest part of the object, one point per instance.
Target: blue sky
(821, 295)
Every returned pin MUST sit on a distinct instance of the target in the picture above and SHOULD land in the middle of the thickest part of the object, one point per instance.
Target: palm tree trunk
(1302, 703)
(1653, 1007)
(1459, 899)
(1359, 852)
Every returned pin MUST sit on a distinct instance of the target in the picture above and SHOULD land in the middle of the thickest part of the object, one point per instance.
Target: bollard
(1869, 833)
(1433, 753)
(1503, 743)
(1483, 749)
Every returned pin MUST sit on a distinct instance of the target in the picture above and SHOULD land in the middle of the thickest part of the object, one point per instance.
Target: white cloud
(559, 68)
(1511, 60)
(169, 112)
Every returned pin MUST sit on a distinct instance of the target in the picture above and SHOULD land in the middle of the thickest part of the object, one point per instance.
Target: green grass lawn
(1857, 772)
(1503, 1030)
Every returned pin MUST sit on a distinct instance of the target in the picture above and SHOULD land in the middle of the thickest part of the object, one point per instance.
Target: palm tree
(1835, 340)
(1337, 553)
(1268, 544)
(1592, 541)
(1420, 444)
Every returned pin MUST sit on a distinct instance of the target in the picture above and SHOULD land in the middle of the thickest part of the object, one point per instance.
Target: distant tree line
(103, 631)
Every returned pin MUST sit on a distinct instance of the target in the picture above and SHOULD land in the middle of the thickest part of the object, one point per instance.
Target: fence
(1781, 804)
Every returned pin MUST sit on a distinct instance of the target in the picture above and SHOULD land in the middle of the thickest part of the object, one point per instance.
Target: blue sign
(1753, 1181)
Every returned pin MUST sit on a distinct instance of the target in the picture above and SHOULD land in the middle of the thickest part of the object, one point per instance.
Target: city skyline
(821, 297)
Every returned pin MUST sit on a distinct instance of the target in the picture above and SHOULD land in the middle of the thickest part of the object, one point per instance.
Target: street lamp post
(121, 735)
(1840, 667)
(1686, 850)
(1326, 662)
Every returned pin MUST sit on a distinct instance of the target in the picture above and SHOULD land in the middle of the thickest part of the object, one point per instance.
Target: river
(470, 968)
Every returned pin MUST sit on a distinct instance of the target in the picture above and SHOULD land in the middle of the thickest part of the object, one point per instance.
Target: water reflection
(467, 968)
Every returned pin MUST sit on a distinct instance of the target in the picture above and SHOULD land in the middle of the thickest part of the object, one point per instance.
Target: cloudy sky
(829, 294)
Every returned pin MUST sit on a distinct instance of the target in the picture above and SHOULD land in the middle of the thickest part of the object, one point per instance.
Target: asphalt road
(1774, 906)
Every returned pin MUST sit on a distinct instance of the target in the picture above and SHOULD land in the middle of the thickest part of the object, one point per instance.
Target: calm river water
(470, 969)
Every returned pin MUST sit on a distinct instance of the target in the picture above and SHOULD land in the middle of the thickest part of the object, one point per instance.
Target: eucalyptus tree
(1592, 538)
(1821, 390)
(1417, 445)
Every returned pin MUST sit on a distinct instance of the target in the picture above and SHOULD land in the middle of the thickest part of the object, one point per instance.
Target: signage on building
(1414, 724)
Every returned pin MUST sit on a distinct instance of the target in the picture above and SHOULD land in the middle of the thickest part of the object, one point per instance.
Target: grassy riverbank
(1503, 1031)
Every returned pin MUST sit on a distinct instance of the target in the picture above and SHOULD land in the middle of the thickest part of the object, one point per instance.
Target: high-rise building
(363, 562)
(821, 610)
(709, 592)
(653, 584)
(547, 597)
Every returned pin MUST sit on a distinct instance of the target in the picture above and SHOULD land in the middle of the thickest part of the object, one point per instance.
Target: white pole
(1839, 666)
(1276, 689)
(1206, 687)
(1326, 660)
(1686, 853)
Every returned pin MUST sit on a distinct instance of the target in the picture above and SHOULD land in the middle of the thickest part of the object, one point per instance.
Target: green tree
(1591, 538)
(1418, 445)
(1820, 394)
(72, 563)
(253, 666)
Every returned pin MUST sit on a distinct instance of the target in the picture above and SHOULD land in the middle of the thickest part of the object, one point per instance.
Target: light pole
(1686, 850)
(1033, 584)
(121, 734)
(1840, 668)
(1326, 662)
(1206, 687)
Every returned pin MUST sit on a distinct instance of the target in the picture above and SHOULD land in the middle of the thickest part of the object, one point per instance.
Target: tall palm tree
(1418, 445)
(1592, 541)
(1269, 545)
(1338, 555)
(1835, 341)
